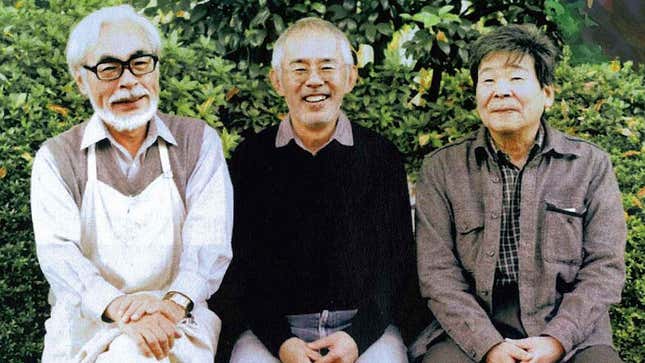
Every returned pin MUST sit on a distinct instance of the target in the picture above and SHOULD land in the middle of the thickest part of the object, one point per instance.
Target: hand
(132, 307)
(154, 334)
(506, 352)
(544, 349)
(342, 348)
(172, 311)
(295, 350)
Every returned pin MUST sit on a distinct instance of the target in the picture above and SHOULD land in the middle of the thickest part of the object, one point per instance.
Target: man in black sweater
(322, 232)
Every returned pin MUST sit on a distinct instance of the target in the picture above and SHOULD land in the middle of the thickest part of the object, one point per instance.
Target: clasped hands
(542, 349)
(148, 320)
(340, 346)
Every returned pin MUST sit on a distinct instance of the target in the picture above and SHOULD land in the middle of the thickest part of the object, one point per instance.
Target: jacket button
(495, 179)
(494, 215)
(491, 253)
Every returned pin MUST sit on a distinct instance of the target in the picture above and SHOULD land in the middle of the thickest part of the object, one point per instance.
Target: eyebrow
(512, 65)
(109, 58)
(323, 60)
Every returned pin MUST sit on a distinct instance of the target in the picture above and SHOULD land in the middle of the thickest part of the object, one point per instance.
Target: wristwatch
(180, 299)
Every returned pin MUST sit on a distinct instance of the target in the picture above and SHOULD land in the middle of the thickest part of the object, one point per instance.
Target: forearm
(206, 234)
(57, 231)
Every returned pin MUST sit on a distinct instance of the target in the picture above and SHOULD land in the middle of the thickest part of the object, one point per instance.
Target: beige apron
(135, 242)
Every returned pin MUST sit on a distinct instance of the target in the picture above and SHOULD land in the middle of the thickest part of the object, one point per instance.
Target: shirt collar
(342, 133)
(497, 154)
(96, 131)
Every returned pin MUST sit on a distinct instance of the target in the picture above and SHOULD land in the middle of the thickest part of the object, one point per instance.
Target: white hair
(86, 33)
(313, 25)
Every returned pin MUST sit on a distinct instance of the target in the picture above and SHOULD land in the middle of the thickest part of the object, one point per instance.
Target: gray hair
(86, 33)
(314, 25)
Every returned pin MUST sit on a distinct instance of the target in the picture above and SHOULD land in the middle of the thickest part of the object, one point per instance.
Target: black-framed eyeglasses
(112, 68)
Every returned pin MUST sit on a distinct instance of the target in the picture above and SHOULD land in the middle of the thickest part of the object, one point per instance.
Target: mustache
(125, 95)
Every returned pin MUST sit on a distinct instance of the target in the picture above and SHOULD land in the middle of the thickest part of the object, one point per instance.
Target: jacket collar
(554, 142)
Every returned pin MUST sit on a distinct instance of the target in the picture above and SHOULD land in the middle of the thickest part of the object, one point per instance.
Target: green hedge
(604, 103)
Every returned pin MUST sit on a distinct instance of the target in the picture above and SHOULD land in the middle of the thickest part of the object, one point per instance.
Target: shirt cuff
(99, 295)
(192, 285)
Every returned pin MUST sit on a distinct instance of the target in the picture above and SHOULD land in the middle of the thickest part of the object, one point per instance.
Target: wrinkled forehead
(119, 40)
(505, 60)
(312, 46)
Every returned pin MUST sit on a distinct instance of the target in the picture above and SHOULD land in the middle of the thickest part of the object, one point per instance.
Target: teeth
(315, 98)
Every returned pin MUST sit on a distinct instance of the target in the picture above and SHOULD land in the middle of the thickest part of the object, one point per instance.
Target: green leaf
(445, 47)
(427, 19)
(445, 9)
(318, 7)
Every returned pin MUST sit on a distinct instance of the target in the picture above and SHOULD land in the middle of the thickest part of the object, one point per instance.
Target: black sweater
(331, 231)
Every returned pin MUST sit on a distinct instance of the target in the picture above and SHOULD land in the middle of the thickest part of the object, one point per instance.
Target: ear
(549, 96)
(352, 77)
(80, 82)
(275, 81)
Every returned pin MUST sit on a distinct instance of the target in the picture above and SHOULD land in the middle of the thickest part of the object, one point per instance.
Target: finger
(169, 330)
(519, 353)
(312, 354)
(127, 313)
(163, 341)
(328, 358)
(153, 344)
(143, 346)
(142, 309)
(522, 343)
(320, 343)
(123, 305)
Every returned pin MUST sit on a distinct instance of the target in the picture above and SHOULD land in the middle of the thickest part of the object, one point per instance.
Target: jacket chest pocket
(469, 226)
(563, 232)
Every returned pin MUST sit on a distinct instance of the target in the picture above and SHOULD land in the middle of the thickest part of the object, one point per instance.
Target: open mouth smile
(315, 98)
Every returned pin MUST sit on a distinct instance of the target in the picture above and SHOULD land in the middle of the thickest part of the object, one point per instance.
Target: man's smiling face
(128, 101)
(509, 96)
(313, 78)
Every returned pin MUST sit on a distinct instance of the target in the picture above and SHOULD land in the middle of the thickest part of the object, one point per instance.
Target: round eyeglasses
(111, 68)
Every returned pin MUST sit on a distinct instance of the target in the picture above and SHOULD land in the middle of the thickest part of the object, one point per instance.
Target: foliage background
(602, 102)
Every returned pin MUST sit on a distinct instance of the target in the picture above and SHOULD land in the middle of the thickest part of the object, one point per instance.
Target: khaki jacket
(571, 246)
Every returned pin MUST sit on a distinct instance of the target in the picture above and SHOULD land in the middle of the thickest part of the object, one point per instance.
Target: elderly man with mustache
(132, 210)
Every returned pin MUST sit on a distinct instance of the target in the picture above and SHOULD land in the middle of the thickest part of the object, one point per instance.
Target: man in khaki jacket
(520, 228)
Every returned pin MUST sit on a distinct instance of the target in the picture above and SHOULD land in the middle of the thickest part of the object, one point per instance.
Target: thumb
(519, 354)
(320, 343)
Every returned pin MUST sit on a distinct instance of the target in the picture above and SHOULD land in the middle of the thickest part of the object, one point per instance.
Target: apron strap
(165, 160)
(91, 163)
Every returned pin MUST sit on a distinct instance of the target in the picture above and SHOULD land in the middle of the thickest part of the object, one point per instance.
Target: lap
(596, 353)
(445, 350)
(124, 349)
(389, 348)
(249, 349)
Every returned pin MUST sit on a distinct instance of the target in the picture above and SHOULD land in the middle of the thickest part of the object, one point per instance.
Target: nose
(128, 79)
(314, 79)
(502, 88)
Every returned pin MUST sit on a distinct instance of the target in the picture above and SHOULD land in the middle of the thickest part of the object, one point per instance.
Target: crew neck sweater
(330, 231)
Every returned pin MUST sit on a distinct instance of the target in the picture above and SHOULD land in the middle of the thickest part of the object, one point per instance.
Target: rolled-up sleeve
(206, 250)
(57, 230)
(602, 274)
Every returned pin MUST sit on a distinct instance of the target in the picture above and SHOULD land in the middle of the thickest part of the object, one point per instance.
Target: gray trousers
(506, 318)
